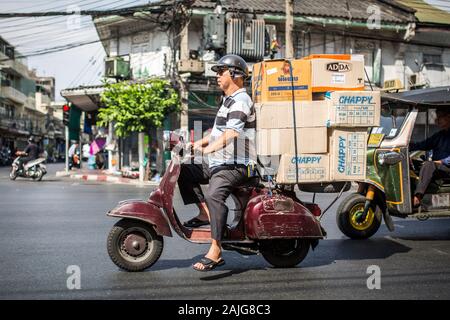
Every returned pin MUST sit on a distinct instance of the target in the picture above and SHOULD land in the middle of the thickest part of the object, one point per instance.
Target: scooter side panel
(280, 217)
(142, 210)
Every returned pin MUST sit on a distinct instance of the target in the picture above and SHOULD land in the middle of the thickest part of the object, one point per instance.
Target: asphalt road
(49, 226)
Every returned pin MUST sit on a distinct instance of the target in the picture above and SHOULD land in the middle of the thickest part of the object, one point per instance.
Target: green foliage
(135, 107)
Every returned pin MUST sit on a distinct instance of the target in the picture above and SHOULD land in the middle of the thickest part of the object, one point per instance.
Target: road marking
(441, 252)
(398, 226)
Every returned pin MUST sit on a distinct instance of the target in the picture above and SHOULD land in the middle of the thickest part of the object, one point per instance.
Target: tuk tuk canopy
(430, 97)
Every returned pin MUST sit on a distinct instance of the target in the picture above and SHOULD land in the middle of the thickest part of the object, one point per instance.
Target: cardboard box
(280, 115)
(272, 81)
(281, 141)
(354, 108)
(311, 168)
(348, 153)
(336, 74)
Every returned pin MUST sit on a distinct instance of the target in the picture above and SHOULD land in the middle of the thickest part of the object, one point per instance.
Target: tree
(137, 107)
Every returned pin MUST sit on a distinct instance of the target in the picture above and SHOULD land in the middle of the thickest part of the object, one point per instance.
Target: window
(432, 59)
(420, 128)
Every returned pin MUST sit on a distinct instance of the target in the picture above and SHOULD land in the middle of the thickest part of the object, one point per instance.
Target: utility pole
(66, 133)
(289, 29)
(184, 92)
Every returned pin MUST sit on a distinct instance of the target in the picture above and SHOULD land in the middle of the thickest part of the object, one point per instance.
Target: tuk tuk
(393, 171)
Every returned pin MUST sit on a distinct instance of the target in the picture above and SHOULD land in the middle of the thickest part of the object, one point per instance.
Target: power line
(86, 66)
(95, 13)
(85, 26)
(75, 45)
(54, 8)
(47, 23)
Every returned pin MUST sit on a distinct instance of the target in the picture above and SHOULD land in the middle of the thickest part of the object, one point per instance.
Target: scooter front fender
(144, 211)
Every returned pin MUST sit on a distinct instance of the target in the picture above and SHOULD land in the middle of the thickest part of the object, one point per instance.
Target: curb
(111, 179)
(104, 178)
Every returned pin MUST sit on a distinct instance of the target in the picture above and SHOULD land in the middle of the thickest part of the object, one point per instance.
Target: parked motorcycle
(34, 169)
(5, 156)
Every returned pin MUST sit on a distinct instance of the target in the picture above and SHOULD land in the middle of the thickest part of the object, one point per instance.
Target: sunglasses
(221, 71)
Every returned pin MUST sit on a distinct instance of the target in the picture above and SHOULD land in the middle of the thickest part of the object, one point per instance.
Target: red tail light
(314, 209)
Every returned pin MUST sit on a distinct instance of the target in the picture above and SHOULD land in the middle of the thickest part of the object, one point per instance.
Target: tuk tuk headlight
(390, 158)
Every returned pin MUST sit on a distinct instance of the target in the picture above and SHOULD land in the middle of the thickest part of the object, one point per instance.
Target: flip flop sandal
(209, 264)
(195, 222)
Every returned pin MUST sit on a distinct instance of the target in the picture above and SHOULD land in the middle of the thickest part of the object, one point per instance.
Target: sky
(79, 66)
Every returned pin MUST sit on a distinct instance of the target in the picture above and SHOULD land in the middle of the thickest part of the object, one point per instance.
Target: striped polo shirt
(236, 112)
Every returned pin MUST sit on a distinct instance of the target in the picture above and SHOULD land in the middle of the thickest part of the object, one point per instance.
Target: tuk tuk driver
(230, 149)
(439, 167)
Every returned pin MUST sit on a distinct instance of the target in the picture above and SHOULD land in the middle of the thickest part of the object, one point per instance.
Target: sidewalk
(102, 176)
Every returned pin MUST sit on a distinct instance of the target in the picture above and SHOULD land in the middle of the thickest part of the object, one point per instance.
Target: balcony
(3, 56)
(12, 94)
(45, 100)
(14, 67)
(30, 103)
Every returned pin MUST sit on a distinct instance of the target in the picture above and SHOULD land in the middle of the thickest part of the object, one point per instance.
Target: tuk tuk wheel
(134, 245)
(349, 218)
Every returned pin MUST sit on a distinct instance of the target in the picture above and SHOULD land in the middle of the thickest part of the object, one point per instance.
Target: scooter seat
(249, 183)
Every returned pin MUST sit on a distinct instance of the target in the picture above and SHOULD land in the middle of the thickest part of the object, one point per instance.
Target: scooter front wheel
(134, 245)
(13, 174)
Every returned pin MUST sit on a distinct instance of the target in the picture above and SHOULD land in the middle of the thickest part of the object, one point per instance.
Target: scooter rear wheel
(285, 253)
(39, 175)
(134, 245)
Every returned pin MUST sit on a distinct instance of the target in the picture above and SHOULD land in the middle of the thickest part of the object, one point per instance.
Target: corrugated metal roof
(428, 13)
(347, 9)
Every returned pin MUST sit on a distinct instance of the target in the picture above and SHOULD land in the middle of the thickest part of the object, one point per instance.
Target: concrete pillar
(108, 141)
(141, 149)
(184, 55)
(289, 29)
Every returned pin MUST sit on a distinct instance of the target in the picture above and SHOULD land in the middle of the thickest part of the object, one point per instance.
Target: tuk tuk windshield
(391, 121)
(425, 125)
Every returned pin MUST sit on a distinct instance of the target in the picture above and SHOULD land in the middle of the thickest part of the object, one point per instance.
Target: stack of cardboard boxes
(332, 114)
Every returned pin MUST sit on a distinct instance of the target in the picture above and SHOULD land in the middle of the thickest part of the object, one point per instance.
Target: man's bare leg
(203, 212)
(214, 253)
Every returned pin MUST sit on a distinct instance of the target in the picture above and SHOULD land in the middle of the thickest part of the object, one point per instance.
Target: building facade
(25, 104)
(399, 48)
(396, 45)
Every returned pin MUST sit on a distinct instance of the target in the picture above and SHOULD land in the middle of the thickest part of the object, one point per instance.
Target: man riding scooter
(439, 167)
(230, 148)
(31, 152)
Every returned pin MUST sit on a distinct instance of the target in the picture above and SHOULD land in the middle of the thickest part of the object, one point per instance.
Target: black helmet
(235, 63)
(31, 139)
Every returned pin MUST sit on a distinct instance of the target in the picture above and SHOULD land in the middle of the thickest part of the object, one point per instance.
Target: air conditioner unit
(117, 67)
(392, 85)
(416, 81)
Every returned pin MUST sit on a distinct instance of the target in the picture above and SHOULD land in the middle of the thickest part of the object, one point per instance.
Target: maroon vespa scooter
(274, 223)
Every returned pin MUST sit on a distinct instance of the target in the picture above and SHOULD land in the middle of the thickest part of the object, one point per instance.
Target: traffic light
(66, 112)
